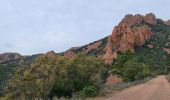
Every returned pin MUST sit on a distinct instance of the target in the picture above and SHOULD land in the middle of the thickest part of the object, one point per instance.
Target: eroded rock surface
(125, 36)
(132, 31)
(7, 57)
(139, 19)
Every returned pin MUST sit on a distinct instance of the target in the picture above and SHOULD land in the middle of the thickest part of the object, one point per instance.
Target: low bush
(90, 91)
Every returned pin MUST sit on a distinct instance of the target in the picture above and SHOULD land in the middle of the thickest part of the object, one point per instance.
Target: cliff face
(125, 36)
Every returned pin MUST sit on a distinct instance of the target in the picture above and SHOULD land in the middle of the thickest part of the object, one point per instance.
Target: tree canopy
(56, 76)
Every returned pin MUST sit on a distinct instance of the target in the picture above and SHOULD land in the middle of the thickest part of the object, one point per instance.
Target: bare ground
(155, 89)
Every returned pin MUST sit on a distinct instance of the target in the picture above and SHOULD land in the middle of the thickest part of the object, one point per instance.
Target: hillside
(136, 33)
(146, 37)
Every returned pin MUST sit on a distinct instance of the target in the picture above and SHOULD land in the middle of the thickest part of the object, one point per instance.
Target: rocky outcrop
(139, 19)
(69, 53)
(122, 38)
(7, 57)
(125, 37)
(131, 20)
(51, 54)
(150, 18)
(142, 34)
(132, 31)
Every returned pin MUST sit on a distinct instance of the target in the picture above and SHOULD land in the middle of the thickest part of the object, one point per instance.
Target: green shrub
(118, 64)
(90, 91)
(129, 67)
(134, 70)
(59, 76)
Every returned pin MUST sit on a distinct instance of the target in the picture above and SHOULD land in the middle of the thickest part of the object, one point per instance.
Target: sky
(37, 26)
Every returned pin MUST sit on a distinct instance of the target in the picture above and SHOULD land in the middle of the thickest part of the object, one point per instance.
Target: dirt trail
(156, 89)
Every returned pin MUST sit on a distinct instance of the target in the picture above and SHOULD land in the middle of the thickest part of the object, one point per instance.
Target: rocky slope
(132, 31)
(9, 57)
(16, 58)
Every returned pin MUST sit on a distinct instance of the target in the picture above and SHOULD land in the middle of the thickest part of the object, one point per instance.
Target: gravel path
(155, 89)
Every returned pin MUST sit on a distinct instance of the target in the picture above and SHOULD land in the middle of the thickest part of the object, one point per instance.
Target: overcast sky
(37, 26)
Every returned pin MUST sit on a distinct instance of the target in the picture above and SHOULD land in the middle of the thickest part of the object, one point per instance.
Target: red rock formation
(132, 31)
(138, 19)
(150, 18)
(125, 38)
(69, 53)
(131, 20)
(142, 34)
(50, 54)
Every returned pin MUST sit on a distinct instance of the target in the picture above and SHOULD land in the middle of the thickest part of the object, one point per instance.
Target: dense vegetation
(156, 58)
(5, 72)
(145, 61)
(129, 68)
(8, 69)
(57, 76)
